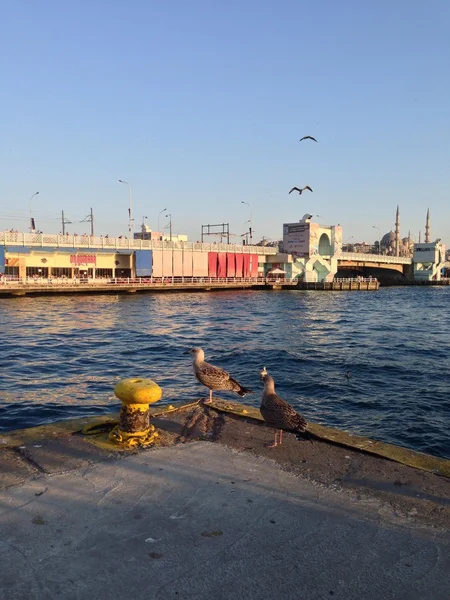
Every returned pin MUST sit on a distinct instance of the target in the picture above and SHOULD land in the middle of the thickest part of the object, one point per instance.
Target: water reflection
(62, 355)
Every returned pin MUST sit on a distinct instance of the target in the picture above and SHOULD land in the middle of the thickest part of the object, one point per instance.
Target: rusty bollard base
(134, 428)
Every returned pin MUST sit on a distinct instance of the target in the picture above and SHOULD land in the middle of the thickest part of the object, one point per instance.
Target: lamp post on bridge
(169, 216)
(130, 216)
(31, 218)
(379, 240)
(246, 233)
(159, 215)
(251, 219)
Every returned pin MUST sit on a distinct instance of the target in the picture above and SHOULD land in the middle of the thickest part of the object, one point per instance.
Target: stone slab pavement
(204, 521)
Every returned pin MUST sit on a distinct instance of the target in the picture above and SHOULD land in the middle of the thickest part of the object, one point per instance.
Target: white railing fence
(45, 240)
(7, 280)
(382, 258)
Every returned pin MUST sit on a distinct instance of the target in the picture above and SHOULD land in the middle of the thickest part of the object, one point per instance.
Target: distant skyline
(200, 106)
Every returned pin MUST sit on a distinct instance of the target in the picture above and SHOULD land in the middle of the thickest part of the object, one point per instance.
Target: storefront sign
(83, 259)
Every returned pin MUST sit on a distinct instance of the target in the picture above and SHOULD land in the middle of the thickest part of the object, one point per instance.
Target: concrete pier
(49, 288)
(213, 513)
(341, 284)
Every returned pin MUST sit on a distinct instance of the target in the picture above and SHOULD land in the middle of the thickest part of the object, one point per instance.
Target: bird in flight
(308, 137)
(301, 190)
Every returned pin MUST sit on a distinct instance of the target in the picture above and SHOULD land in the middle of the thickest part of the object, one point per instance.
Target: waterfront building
(47, 255)
(429, 261)
(311, 252)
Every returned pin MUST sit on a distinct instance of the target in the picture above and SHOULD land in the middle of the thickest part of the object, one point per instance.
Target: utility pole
(32, 226)
(64, 223)
(251, 220)
(89, 219)
(130, 214)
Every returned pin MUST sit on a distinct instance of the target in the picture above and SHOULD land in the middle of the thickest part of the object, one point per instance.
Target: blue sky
(200, 105)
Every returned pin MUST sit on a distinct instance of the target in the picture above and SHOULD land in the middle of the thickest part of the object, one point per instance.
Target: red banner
(83, 259)
(231, 264)
(222, 268)
(212, 264)
(246, 265)
(239, 264)
(254, 266)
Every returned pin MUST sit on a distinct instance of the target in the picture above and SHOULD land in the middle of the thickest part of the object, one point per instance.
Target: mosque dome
(388, 239)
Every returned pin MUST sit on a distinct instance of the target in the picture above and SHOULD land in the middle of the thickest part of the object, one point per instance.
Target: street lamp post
(31, 219)
(159, 215)
(130, 214)
(379, 242)
(169, 216)
(251, 219)
(246, 232)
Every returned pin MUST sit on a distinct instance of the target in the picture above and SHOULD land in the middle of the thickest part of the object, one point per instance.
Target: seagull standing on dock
(301, 190)
(214, 377)
(278, 413)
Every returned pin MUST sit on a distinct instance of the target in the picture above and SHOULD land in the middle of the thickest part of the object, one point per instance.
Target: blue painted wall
(144, 263)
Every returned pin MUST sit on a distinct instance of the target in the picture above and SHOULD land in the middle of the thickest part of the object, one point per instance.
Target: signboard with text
(83, 259)
(296, 238)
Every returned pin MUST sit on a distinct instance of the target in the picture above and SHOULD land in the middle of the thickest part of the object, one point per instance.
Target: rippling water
(61, 357)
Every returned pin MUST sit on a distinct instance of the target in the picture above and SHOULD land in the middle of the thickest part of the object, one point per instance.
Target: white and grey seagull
(214, 377)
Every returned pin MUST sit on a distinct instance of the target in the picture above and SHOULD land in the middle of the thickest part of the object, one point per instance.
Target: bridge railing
(354, 280)
(8, 280)
(121, 243)
(361, 256)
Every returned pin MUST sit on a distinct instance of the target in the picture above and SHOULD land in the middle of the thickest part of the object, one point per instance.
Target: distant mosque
(393, 245)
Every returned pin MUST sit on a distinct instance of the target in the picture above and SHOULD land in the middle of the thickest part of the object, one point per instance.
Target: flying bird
(280, 415)
(214, 377)
(308, 137)
(301, 190)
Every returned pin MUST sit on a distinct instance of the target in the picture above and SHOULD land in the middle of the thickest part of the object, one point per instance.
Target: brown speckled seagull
(280, 415)
(214, 377)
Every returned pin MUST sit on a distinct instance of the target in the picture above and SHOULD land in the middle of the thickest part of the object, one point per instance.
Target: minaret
(397, 232)
(427, 228)
(420, 237)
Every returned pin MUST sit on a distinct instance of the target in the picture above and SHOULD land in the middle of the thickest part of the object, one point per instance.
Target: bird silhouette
(308, 137)
(300, 190)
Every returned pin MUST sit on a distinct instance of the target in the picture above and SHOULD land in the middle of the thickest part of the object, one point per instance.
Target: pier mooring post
(134, 428)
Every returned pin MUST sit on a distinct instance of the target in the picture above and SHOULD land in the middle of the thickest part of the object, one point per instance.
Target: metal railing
(354, 280)
(44, 240)
(382, 258)
(7, 280)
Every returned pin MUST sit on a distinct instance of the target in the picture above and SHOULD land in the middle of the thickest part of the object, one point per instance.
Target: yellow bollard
(135, 429)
